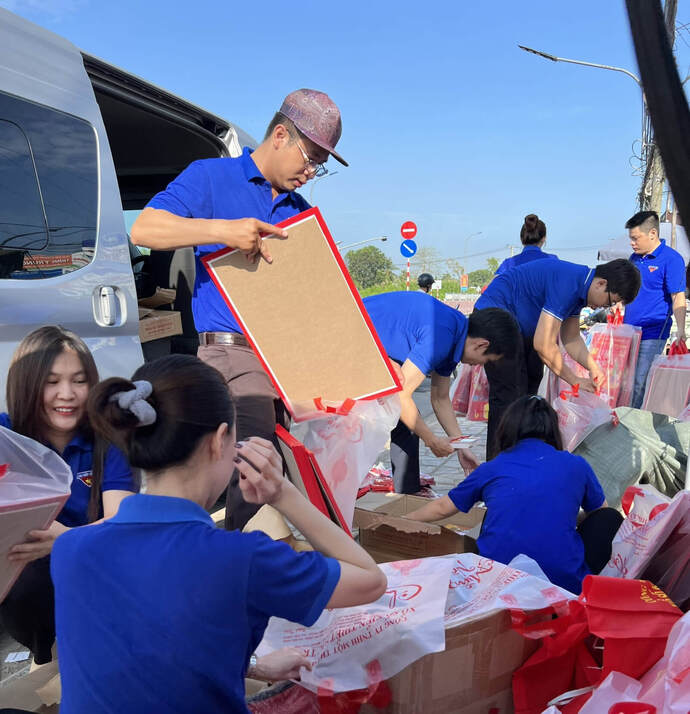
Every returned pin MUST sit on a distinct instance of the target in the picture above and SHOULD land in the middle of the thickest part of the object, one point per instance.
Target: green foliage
(480, 277)
(369, 266)
(493, 264)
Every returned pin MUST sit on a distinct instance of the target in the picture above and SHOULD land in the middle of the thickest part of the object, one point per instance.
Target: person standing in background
(661, 296)
(425, 281)
(533, 237)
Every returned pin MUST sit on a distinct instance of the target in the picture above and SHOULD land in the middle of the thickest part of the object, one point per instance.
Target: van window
(48, 191)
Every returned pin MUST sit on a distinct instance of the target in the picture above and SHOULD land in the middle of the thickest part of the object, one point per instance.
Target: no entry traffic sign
(408, 248)
(408, 230)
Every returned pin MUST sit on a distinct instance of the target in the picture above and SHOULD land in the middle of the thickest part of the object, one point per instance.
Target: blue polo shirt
(527, 255)
(229, 189)
(416, 326)
(157, 610)
(662, 273)
(533, 494)
(78, 454)
(553, 286)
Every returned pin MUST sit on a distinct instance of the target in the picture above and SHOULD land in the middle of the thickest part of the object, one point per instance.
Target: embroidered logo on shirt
(86, 477)
(652, 268)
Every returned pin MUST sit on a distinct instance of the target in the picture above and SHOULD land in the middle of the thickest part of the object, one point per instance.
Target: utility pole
(652, 190)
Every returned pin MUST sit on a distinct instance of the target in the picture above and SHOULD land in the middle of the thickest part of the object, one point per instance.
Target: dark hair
(529, 418)
(191, 400)
(279, 118)
(533, 230)
(644, 220)
(425, 280)
(496, 325)
(622, 278)
(26, 380)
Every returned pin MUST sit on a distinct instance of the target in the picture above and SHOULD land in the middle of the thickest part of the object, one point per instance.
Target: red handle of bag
(343, 409)
(615, 317)
(678, 348)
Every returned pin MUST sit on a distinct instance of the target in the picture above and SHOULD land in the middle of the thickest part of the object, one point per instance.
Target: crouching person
(158, 610)
(533, 491)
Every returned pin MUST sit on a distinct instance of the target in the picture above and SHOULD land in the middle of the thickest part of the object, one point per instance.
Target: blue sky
(446, 122)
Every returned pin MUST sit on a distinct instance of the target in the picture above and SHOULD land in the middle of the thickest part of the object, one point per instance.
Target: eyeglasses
(313, 168)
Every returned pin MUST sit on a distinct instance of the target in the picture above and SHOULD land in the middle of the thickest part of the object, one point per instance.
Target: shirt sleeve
(294, 586)
(117, 473)
(674, 278)
(190, 195)
(594, 494)
(469, 491)
(503, 267)
(430, 350)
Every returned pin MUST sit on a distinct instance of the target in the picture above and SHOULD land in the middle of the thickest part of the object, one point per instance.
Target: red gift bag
(615, 624)
(460, 390)
(478, 408)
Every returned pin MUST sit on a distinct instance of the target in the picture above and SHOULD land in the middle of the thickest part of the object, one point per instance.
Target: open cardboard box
(155, 324)
(387, 535)
(473, 675)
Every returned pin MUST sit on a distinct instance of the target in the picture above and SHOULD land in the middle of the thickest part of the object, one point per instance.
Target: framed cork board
(304, 318)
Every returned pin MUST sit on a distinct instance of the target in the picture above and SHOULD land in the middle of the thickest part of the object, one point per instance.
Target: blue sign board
(408, 248)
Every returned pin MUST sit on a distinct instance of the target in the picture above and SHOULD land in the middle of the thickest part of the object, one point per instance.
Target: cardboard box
(154, 324)
(387, 535)
(472, 676)
(38, 691)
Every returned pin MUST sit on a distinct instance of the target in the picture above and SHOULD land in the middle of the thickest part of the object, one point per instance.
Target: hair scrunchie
(134, 400)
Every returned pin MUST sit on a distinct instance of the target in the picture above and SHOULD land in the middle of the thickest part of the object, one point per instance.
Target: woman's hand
(37, 544)
(282, 664)
(261, 471)
(468, 461)
(440, 446)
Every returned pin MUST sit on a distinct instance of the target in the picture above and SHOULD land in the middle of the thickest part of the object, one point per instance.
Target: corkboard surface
(303, 317)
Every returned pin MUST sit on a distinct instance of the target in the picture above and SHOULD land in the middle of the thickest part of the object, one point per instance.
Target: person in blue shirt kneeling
(533, 491)
(157, 610)
(533, 237)
(48, 383)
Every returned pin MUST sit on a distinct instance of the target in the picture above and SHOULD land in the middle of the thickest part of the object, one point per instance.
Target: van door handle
(107, 305)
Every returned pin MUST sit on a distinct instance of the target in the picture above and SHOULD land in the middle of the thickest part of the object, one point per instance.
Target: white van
(81, 144)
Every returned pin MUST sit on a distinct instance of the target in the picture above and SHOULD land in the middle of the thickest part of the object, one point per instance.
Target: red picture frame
(305, 473)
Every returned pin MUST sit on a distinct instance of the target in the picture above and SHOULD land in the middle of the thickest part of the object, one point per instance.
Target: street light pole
(361, 242)
(653, 172)
(315, 181)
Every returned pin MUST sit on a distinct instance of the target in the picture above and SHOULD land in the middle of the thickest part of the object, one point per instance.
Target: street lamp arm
(553, 58)
(361, 242)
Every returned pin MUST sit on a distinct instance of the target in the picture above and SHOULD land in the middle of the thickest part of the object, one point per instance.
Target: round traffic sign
(408, 230)
(408, 248)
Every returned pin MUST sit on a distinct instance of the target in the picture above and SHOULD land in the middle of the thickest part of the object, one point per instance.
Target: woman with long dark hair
(48, 383)
(137, 594)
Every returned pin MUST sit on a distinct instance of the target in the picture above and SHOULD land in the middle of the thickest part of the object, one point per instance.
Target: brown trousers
(258, 409)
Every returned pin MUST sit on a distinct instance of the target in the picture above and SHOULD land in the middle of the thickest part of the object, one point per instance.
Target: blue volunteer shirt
(229, 189)
(157, 610)
(527, 255)
(533, 494)
(663, 273)
(416, 326)
(78, 454)
(554, 286)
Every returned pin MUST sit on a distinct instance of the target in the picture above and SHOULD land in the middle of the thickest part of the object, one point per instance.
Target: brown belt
(222, 338)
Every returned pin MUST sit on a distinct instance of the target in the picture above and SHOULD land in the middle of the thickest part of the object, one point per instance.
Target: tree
(493, 264)
(480, 277)
(455, 269)
(369, 266)
(425, 260)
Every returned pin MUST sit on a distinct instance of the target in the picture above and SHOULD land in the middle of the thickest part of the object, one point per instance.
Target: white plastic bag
(34, 485)
(579, 414)
(348, 644)
(347, 446)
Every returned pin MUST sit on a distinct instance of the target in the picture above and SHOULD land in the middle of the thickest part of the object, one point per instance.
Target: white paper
(17, 656)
